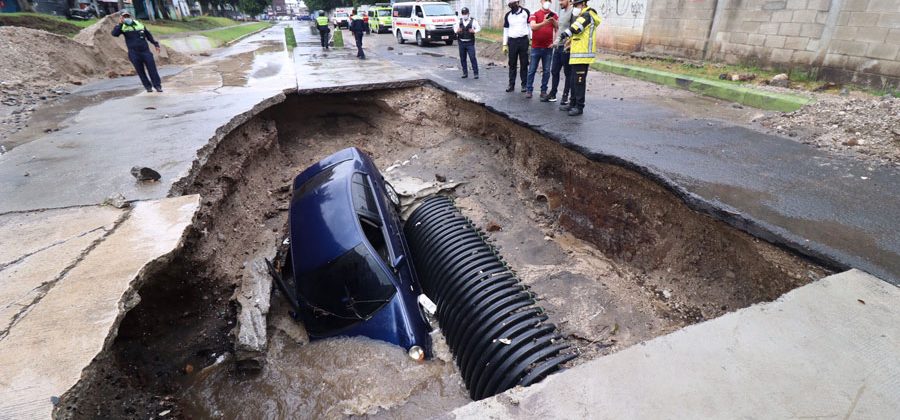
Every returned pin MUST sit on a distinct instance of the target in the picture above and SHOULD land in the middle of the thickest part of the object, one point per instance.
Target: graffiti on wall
(621, 8)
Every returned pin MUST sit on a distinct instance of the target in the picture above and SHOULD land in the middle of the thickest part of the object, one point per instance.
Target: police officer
(466, 28)
(358, 27)
(582, 52)
(324, 30)
(136, 38)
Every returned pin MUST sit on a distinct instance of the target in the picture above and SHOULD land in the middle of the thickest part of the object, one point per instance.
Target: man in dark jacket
(136, 38)
(358, 27)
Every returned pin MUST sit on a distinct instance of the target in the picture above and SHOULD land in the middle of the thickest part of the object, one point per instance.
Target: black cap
(465, 10)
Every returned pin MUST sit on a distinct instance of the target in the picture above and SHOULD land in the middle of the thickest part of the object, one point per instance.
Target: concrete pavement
(827, 350)
(69, 266)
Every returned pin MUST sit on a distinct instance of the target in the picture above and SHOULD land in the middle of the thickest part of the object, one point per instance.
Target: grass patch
(53, 24)
(711, 71)
(289, 38)
(491, 34)
(339, 38)
(226, 35)
(203, 23)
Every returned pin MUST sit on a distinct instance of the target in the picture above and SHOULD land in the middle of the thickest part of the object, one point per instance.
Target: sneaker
(528, 95)
(551, 98)
(150, 90)
(575, 111)
(564, 101)
(510, 88)
(543, 96)
(476, 76)
(523, 89)
(159, 89)
(565, 107)
(464, 76)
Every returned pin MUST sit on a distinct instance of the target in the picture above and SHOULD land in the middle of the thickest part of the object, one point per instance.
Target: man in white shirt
(516, 37)
(466, 28)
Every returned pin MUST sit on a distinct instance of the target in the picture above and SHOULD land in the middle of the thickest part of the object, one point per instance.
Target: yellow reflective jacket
(322, 20)
(583, 49)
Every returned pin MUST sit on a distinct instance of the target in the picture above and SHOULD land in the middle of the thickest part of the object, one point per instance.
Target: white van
(424, 21)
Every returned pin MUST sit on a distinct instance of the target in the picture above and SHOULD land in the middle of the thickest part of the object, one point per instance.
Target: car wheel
(400, 39)
(419, 41)
(449, 42)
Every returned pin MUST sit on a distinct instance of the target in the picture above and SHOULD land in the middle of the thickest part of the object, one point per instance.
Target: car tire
(400, 39)
(449, 42)
(419, 41)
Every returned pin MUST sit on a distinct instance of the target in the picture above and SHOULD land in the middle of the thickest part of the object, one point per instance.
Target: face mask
(466, 17)
(547, 5)
(129, 21)
(576, 11)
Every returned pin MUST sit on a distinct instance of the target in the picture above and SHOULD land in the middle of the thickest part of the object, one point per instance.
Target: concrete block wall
(678, 27)
(841, 40)
(623, 23)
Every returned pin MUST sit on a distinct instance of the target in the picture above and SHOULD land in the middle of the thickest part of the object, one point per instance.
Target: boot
(575, 111)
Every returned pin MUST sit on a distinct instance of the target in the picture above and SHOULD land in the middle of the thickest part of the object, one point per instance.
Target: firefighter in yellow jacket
(582, 51)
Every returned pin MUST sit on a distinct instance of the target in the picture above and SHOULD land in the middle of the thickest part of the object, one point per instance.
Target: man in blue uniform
(136, 38)
(358, 27)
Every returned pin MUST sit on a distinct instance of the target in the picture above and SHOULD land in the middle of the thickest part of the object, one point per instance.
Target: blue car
(347, 271)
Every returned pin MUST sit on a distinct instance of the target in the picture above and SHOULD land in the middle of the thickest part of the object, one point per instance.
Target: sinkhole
(614, 257)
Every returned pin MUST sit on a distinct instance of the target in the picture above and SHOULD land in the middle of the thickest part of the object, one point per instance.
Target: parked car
(341, 17)
(347, 270)
(424, 22)
(81, 14)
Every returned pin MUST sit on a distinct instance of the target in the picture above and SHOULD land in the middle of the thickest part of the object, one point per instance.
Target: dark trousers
(323, 35)
(141, 60)
(467, 48)
(518, 55)
(359, 50)
(561, 62)
(579, 85)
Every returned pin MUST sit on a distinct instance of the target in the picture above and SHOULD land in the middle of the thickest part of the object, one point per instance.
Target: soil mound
(36, 57)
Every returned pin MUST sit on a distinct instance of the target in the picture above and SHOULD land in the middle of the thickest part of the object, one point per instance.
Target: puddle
(421, 53)
(615, 258)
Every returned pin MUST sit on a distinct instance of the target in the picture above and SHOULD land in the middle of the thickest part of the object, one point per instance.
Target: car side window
(370, 218)
(419, 11)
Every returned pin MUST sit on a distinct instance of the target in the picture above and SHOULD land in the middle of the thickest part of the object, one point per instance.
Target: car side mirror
(398, 262)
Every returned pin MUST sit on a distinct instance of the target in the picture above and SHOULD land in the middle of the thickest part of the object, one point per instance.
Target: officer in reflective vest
(136, 38)
(322, 24)
(582, 51)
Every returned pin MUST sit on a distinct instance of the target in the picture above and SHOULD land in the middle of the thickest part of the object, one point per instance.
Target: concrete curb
(743, 95)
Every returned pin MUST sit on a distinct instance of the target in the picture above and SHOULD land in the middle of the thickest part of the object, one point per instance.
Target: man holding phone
(543, 27)
(466, 28)
(136, 38)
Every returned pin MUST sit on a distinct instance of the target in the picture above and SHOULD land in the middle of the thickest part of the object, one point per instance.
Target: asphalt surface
(840, 211)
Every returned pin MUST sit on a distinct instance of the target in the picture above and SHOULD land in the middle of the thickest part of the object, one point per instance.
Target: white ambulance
(424, 21)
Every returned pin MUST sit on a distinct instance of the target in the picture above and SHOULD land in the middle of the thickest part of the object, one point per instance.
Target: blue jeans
(467, 49)
(543, 54)
(561, 62)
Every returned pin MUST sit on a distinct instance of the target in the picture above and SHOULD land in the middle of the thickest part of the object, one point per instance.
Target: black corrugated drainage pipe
(497, 334)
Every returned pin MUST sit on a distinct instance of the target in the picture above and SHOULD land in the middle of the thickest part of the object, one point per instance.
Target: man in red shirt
(543, 26)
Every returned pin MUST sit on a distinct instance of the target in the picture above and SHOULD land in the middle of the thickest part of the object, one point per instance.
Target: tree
(326, 5)
(253, 7)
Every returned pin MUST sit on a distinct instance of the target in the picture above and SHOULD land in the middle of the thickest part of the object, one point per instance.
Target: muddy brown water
(615, 259)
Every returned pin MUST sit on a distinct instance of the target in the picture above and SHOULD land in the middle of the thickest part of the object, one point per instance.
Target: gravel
(865, 127)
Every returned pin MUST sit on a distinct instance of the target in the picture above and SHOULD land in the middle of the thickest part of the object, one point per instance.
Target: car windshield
(347, 290)
(384, 13)
(438, 10)
(340, 14)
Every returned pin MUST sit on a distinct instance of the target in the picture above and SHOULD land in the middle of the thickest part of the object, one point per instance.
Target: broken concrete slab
(253, 297)
(32, 232)
(826, 350)
(44, 353)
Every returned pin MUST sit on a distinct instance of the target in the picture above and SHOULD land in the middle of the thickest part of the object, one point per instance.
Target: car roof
(323, 220)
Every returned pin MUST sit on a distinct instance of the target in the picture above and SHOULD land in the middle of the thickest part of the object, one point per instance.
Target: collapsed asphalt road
(218, 99)
(836, 209)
